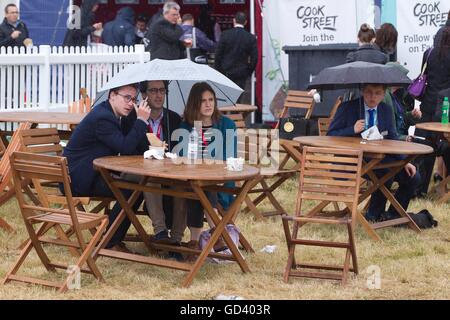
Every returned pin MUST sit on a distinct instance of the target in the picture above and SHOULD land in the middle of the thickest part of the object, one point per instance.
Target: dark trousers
(195, 213)
(101, 189)
(406, 190)
(425, 162)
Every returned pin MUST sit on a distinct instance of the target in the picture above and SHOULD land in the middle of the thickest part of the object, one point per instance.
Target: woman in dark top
(386, 40)
(367, 51)
(78, 35)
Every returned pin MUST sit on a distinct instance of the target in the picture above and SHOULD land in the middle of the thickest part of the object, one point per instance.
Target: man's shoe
(175, 255)
(120, 247)
(161, 237)
(372, 218)
(390, 215)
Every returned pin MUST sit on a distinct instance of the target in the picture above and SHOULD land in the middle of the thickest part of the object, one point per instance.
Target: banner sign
(417, 24)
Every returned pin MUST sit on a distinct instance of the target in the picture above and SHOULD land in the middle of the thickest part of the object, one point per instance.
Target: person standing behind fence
(367, 51)
(199, 38)
(13, 32)
(77, 35)
(165, 35)
(237, 55)
(120, 31)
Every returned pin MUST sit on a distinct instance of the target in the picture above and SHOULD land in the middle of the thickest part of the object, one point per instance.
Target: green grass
(413, 265)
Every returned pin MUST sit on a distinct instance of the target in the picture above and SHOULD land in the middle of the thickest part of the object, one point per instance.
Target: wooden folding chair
(298, 100)
(39, 168)
(81, 106)
(6, 186)
(260, 149)
(326, 175)
(47, 141)
(324, 123)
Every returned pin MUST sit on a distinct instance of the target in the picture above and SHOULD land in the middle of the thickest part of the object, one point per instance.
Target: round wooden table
(44, 117)
(374, 153)
(189, 181)
(445, 130)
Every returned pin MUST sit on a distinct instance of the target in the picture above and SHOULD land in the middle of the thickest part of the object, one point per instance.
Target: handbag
(417, 88)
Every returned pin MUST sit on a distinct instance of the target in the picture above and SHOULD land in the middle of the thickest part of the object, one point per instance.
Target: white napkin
(171, 155)
(152, 154)
(372, 134)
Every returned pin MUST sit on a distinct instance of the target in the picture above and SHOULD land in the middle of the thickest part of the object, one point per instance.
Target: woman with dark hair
(438, 79)
(202, 113)
(386, 40)
(77, 35)
(367, 51)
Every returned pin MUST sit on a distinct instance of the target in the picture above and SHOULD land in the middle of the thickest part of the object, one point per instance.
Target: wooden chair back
(324, 124)
(259, 147)
(41, 141)
(329, 174)
(299, 100)
(83, 105)
(336, 105)
(42, 168)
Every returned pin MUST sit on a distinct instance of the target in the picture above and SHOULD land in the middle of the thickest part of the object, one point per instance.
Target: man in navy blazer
(355, 116)
(100, 134)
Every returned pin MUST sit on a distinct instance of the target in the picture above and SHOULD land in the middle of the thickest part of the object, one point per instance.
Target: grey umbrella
(355, 74)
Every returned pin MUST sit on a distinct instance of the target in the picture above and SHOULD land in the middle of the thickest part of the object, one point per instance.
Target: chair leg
(351, 239)
(6, 226)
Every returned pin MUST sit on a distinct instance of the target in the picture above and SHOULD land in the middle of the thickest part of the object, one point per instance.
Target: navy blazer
(351, 111)
(98, 135)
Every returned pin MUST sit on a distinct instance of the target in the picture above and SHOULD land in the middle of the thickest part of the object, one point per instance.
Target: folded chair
(327, 175)
(38, 217)
(6, 186)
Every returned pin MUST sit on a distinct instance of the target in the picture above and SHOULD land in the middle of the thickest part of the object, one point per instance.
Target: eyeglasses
(156, 90)
(13, 12)
(127, 98)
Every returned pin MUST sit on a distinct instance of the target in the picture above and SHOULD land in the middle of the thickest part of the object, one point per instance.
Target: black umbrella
(355, 74)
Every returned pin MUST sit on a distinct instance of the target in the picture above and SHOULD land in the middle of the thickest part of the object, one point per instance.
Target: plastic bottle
(445, 107)
(193, 145)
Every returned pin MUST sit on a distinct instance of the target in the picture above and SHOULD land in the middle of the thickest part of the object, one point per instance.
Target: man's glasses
(156, 90)
(128, 98)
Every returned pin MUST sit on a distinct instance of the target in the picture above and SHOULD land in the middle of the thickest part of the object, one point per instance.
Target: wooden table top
(239, 108)
(378, 146)
(47, 117)
(168, 169)
(434, 126)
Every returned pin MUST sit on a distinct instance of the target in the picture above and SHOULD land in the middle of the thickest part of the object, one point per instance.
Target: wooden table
(374, 153)
(445, 130)
(186, 181)
(42, 117)
(238, 113)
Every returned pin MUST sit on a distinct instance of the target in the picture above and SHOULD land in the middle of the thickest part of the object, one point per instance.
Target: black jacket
(165, 40)
(120, 31)
(77, 37)
(438, 36)
(167, 128)
(5, 34)
(367, 53)
(236, 53)
(438, 78)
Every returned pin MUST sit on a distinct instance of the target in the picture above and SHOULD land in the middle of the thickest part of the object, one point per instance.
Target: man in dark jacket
(237, 53)
(165, 212)
(352, 118)
(98, 135)
(77, 35)
(165, 35)
(120, 32)
(12, 31)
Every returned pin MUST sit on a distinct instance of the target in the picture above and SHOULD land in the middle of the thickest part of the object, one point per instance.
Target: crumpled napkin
(372, 134)
(154, 154)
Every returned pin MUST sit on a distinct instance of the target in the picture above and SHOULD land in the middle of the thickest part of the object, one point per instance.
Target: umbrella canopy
(357, 73)
(182, 75)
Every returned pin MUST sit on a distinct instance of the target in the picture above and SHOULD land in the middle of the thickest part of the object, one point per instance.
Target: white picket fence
(49, 78)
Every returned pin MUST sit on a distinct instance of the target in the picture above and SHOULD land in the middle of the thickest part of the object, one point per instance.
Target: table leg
(126, 211)
(219, 230)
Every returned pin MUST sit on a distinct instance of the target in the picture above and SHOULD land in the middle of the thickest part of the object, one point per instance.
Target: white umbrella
(182, 75)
